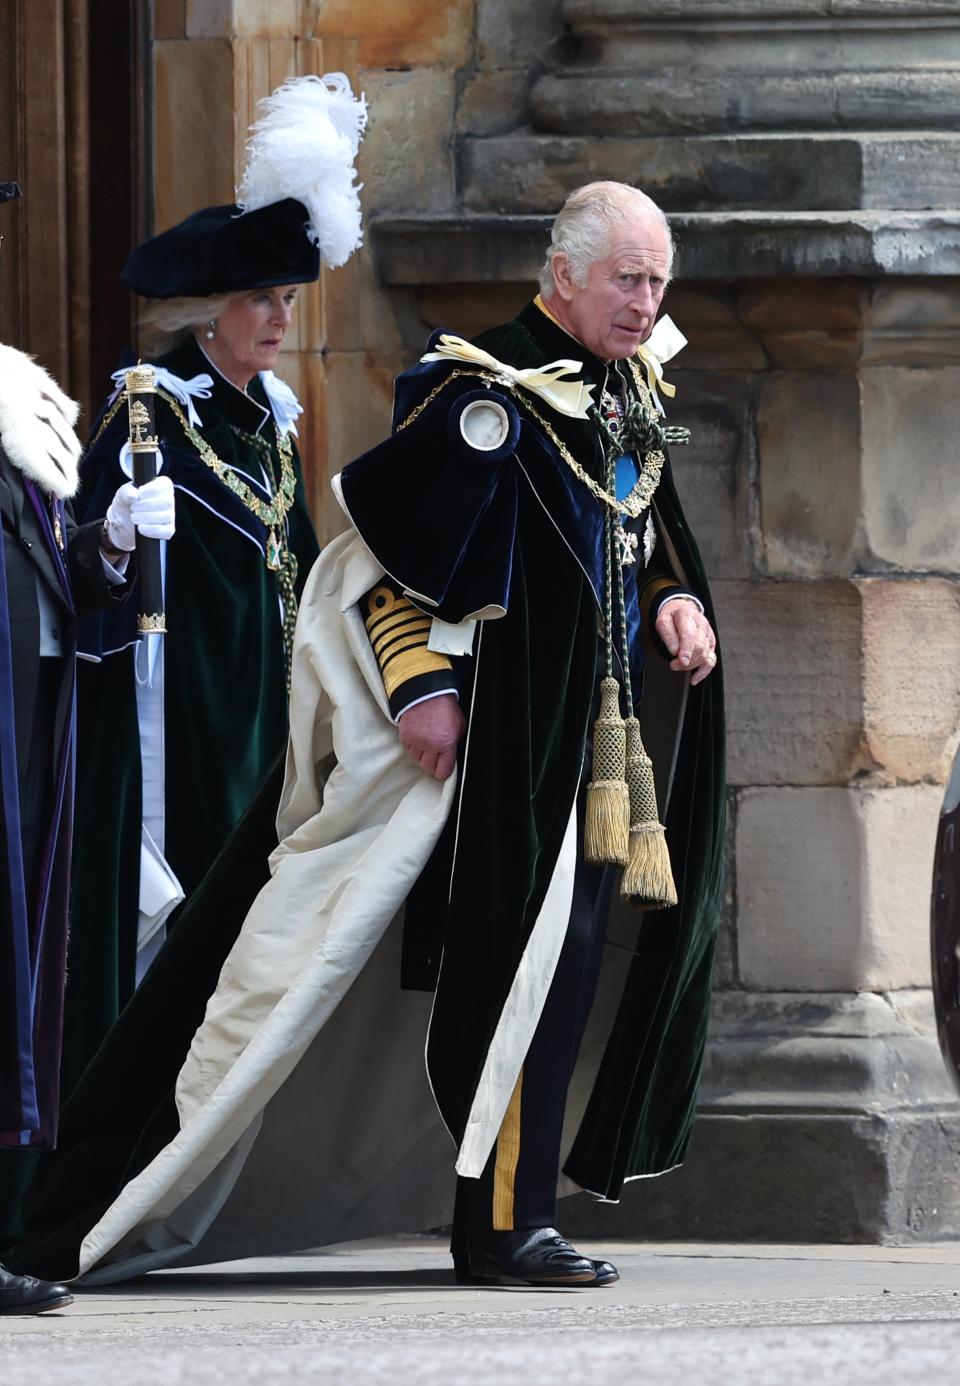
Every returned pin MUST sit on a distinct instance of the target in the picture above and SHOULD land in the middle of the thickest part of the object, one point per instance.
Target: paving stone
(730, 1314)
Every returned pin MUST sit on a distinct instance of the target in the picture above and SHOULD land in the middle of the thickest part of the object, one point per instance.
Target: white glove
(147, 510)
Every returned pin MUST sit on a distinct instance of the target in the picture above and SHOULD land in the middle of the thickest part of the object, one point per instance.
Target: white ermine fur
(304, 146)
(37, 424)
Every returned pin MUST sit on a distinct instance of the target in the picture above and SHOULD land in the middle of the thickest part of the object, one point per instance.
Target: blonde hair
(166, 322)
(583, 225)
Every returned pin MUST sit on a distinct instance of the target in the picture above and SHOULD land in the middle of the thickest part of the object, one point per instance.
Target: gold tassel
(648, 878)
(606, 837)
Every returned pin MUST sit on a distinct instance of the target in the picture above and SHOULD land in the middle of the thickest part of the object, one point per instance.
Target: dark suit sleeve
(398, 632)
(654, 586)
(91, 590)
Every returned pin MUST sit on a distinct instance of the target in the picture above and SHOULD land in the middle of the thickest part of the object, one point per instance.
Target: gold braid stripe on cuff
(407, 665)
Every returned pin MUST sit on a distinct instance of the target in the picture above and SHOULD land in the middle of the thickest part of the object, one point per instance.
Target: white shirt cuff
(681, 597)
(115, 573)
(425, 699)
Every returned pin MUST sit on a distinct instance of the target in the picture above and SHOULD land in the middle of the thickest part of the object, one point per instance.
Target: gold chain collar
(270, 513)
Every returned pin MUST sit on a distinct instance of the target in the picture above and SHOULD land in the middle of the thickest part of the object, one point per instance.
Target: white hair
(583, 226)
(166, 322)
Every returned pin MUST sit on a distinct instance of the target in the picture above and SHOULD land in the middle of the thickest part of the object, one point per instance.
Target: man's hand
(689, 637)
(431, 732)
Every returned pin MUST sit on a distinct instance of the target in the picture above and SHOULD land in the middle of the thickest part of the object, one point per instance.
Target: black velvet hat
(220, 250)
(9, 190)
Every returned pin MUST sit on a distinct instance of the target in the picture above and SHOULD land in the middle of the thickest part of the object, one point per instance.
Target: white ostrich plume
(304, 146)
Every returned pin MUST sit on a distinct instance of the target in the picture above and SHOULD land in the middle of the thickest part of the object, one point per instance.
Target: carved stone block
(833, 887)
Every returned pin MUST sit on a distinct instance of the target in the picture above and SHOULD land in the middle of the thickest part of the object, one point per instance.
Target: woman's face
(250, 331)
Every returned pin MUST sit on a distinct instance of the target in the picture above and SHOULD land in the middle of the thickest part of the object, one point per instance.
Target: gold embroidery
(505, 1169)
(378, 625)
(409, 664)
(404, 641)
(381, 601)
(396, 640)
(399, 632)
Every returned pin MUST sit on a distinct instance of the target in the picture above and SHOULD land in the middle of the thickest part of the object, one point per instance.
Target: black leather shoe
(607, 1273)
(536, 1256)
(22, 1294)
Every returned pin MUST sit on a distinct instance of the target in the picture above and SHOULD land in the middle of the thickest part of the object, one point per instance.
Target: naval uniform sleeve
(398, 632)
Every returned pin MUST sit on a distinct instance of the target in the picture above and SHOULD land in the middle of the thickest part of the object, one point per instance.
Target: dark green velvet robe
(225, 696)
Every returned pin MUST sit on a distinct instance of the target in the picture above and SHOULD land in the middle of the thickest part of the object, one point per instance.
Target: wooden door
(74, 132)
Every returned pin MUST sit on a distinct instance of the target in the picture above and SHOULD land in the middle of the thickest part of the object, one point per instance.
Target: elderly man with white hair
(526, 488)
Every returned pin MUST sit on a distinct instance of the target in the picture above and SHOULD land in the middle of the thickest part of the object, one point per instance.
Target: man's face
(617, 308)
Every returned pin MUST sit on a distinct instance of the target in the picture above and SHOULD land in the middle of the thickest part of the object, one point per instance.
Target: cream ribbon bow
(186, 391)
(663, 344)
(571, 397)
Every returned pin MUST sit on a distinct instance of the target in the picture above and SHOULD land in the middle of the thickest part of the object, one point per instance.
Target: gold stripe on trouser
(505, 1169)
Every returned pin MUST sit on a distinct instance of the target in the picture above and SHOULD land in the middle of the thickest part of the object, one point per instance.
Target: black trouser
(518, 1187)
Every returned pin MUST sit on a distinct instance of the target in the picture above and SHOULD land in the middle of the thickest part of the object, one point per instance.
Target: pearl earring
(211, 329)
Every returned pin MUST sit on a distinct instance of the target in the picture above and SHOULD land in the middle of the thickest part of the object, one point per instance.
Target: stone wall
(819, 480)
